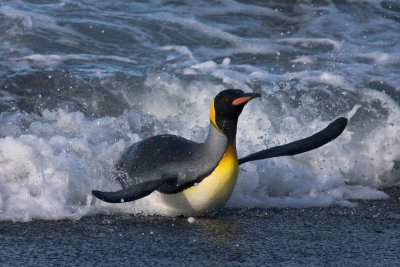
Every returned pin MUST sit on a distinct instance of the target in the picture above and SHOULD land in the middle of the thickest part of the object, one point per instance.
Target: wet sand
(366, 235)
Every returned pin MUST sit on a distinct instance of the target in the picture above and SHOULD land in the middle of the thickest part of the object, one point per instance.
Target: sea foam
(66, 81)
(49, 163)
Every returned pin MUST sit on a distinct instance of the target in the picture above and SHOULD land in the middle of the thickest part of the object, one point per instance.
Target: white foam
(303, 60)
(182, 53)
(309, 42)
(205, 66)
(31, 20)
(50, 163)
(230, 6)
(48, 169)
(53, 58)
(332, 79)
(240, 45)
(381, 58)
(18, 14)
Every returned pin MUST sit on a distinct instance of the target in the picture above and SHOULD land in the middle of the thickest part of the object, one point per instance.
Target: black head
(226, 108)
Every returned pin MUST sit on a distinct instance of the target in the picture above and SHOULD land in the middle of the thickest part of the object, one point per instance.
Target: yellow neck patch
(212, 116)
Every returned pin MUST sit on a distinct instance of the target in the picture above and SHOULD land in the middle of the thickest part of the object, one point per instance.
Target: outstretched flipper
(132, 193)
(321, 138)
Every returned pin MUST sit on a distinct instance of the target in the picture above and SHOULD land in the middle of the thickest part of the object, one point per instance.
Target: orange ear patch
(212, 116)
(241, 100)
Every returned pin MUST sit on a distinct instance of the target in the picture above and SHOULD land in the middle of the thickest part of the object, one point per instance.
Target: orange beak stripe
(241, 100)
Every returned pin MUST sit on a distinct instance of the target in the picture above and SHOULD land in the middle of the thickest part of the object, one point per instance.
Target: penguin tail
(331, 132)
(131, 193)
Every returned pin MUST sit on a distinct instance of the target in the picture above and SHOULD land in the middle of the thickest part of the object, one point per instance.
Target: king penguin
(195, 178)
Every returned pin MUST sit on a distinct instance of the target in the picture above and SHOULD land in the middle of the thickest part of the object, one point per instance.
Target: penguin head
(226, 108)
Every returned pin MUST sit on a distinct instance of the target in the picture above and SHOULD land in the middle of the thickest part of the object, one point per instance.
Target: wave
(80, 82)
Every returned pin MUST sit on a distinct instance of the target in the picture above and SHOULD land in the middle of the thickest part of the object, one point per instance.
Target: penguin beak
(245, 98)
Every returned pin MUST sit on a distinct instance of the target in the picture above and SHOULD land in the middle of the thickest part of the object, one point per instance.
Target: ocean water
(80, 81)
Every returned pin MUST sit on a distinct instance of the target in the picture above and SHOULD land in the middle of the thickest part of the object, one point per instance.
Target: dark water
(364, 236)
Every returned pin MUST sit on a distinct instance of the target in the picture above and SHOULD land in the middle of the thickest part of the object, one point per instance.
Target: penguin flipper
(132, 193)
(319, 139)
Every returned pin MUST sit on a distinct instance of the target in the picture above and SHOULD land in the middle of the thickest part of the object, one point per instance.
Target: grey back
(170, 156)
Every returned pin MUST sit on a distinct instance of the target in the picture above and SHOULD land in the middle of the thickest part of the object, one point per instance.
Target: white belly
(211, 193)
